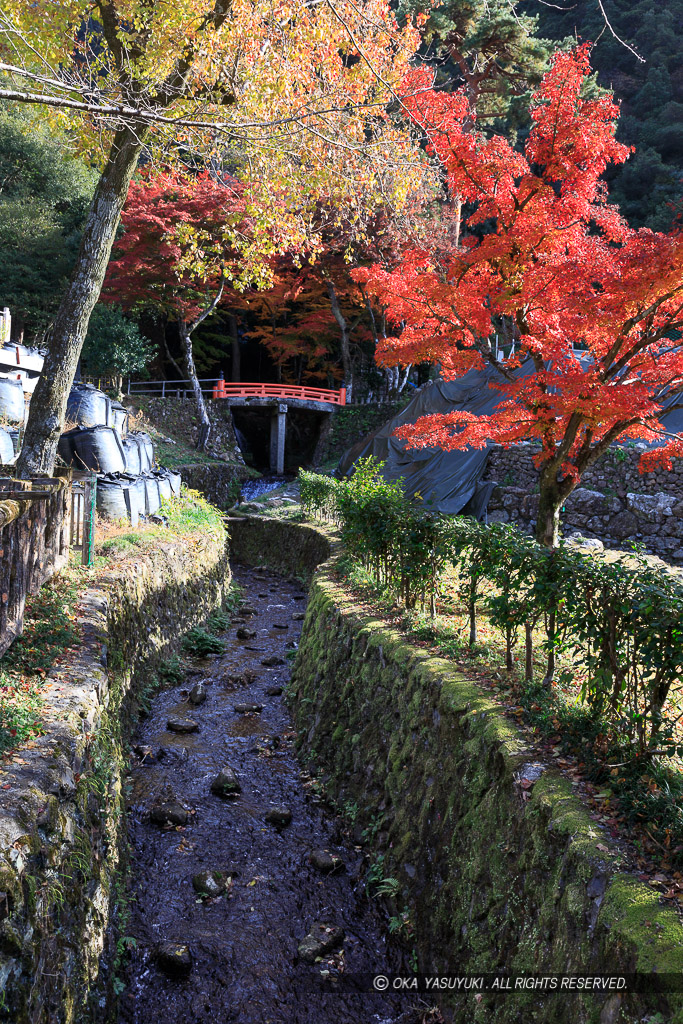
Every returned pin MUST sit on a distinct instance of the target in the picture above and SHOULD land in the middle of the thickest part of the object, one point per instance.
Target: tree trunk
(550, 502)
(235, 368)
(48, 404)
(191, 371)
(344, 334)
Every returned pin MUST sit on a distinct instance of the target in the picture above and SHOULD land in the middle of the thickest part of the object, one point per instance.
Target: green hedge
(620, 627)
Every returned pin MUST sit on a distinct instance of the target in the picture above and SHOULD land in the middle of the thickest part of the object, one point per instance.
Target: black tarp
(447, 482)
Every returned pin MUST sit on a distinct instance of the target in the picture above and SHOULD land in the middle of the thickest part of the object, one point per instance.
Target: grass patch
(191, 513)
(124, 543)
(49, 631)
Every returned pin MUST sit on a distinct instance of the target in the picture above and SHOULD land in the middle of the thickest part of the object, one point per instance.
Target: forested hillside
(650, 91)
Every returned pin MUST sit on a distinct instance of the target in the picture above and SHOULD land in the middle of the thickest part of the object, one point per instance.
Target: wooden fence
(40, 520)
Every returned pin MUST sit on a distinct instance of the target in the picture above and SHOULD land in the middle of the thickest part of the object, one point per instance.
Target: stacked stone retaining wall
(61, 820)
(616, 503)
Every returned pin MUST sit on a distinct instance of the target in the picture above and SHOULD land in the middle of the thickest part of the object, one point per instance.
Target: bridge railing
(212, 387)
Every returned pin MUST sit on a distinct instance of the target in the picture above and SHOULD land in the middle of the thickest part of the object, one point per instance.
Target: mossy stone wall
(500, 865)
(62, 826)
(291, 549)
(220, 484)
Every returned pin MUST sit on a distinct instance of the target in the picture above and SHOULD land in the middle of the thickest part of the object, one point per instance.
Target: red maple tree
(185, 237)
(592, 307)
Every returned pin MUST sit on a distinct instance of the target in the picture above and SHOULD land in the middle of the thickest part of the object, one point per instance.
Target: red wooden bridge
(225, 389)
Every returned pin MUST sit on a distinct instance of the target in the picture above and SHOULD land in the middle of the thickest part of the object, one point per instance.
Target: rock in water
(244, 709)
(298, 616)
(182, 725)
(174, 959)
(226, 783)
(323, 860)
(322, 939)
(198, 693)
(279, 816)
(171, 813)
(280, 625)
(272, 661)
(210, 883)
(245, 634)
(176, 755)
(274, 691)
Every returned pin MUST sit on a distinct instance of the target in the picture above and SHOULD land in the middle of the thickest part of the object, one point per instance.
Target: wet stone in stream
(246, 709)
(170, 813)
(322, 939)
(272, 661)
(174, 959)
(245, 634)
(182, 725)
(198, 693)
(279, 816)
(274, 691)
(226, 783)
(323, 860)
(211, 883)
(241, 960)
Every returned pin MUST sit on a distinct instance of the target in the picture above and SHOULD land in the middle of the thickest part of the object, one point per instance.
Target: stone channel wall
(500, 865)
(220, 484)
(61, 819)
(615, 503)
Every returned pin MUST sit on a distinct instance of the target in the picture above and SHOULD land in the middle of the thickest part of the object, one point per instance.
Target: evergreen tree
(649, 85)
(488, 46)
(44, 195)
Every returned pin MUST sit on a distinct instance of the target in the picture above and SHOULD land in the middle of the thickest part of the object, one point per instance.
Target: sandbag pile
(128, 485)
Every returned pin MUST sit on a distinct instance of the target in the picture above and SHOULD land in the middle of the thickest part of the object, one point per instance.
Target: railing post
(342, 396)
(89, 497)
(163, 389)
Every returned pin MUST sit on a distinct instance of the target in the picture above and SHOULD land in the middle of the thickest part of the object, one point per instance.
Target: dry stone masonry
(616, 504)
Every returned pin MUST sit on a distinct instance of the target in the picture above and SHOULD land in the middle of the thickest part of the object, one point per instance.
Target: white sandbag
(7, 452)
(12, 406)
(152, 496)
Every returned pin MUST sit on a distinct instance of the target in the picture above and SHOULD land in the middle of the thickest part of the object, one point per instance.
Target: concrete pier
(278, 429)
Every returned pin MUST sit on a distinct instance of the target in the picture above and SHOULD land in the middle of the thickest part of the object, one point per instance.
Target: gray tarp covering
(447, 481)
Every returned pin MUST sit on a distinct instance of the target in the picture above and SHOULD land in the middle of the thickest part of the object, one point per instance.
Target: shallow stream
(244, 944)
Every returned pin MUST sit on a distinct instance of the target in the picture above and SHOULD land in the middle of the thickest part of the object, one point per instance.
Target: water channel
(236, 955)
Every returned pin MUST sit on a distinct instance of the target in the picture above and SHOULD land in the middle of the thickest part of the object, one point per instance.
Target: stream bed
(222, 903)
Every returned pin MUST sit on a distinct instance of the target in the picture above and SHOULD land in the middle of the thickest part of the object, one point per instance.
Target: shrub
(621, 625)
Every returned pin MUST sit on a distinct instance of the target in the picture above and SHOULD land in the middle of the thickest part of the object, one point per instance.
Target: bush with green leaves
(620, 626)
(199, 643)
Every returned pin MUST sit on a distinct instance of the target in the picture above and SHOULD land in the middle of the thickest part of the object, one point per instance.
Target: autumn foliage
(546, 263)
(181, 235)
